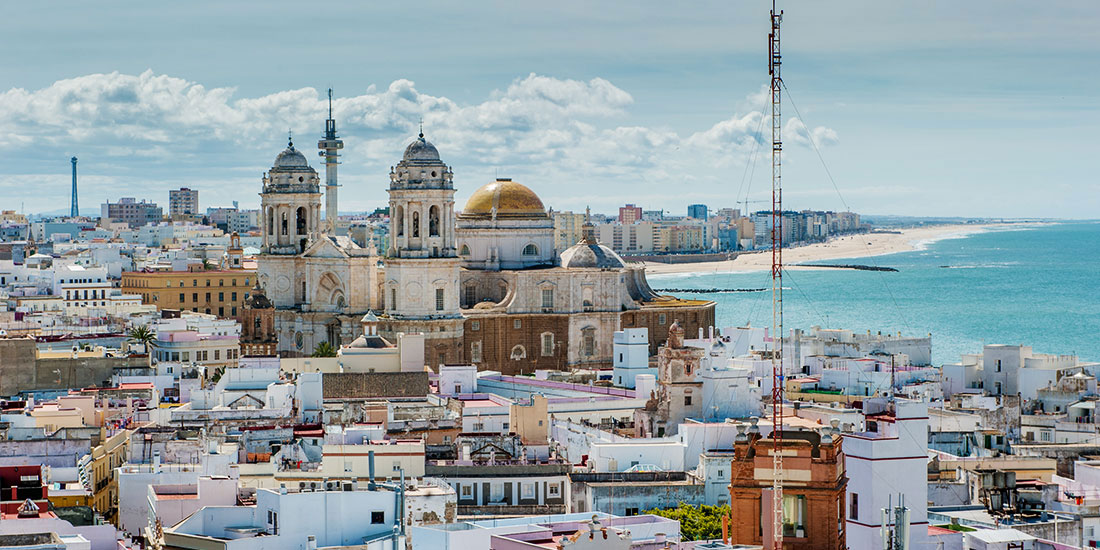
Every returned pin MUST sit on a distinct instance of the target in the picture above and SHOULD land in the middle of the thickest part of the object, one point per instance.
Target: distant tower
(74, 211)
(329, 147)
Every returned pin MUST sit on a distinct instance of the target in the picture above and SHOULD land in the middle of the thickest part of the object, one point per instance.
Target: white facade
(888, 460)
(630, 356)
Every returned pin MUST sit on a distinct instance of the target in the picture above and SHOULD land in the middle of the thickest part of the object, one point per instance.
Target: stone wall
(371, 385)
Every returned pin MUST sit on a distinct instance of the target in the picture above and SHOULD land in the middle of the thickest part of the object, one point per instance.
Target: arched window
(400, 220)
(465, 251)
(300, 221)
(530, 250)
(587, 297)
(433, 221)
(284, 223)
(270, 221)
(416, 224)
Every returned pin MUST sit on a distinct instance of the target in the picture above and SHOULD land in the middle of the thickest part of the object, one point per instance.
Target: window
(475, 352)
(527, 490)
(687, 400)
(530, 250)
(182, 297)
(439, 299)
(998, 365)
(393, 298)
(186, 356)
(194, 282)
(853, 506)
(377, 517)
(207, 296)
(217, 354)
(553, 490)
(517, 324)
(661, 319)
(208, 282)
(1044, 436)
(221, 282)
(233, 296)
(475, 325)
(547, 298)
(221, 296)
(631, 511)
(274, 521)
(794, 516)
(467, 491)
(195, 297)
(465, 251)
(588, 341)
(518, 352)
(221, 311)
(547, 344)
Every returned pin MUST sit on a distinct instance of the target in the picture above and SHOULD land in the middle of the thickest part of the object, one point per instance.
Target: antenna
(774, 62)
(74, 210)
(330, 103)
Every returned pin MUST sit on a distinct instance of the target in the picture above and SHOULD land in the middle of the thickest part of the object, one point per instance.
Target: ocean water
(1038, 286)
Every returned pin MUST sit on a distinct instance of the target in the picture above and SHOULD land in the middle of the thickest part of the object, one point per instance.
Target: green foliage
(141, 334)
(324, 349)
(696, 522)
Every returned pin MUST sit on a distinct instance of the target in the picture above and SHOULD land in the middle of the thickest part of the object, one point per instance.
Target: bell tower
(420, 293)
(290, 204)
(421, 204)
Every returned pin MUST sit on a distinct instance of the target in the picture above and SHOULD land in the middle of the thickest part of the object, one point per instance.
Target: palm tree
(143, 335)
(324, 349)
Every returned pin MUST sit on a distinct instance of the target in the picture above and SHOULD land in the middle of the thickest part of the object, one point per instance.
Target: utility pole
(774, 62)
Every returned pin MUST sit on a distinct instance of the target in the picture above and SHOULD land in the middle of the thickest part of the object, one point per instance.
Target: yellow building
(98, 473)
(218, 292)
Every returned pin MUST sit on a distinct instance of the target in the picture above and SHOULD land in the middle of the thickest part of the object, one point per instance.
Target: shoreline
(862, 245)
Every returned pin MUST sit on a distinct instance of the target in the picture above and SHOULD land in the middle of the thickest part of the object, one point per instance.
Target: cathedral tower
(290, 204)
(422, 267)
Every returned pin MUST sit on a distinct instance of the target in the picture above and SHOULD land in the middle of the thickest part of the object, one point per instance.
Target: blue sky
(932, 108)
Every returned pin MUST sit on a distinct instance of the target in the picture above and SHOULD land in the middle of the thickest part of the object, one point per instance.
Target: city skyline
(560, 98)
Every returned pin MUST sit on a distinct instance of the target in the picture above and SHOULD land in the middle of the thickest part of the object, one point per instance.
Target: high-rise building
(567, 229)
(697, 211)
(183, 202)
(629, 213)
(131, 212)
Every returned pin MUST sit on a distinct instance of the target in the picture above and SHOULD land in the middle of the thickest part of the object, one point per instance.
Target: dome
(505, 198)
(291, 158)
(586, 254)
(422, 150)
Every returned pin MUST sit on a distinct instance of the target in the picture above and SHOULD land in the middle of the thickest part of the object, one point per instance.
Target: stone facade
(484, 286)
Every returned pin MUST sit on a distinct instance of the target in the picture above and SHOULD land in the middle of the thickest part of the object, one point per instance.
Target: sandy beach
(852, 246)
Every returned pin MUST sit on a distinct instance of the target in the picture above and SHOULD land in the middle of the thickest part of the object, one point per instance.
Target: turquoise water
(1038, 286)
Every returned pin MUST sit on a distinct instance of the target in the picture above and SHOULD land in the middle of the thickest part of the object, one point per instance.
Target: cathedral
(484, 284)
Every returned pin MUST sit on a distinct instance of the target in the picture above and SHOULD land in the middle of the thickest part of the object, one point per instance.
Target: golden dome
(505, 198)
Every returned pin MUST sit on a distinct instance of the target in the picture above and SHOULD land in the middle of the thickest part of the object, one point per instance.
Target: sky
(938, 108)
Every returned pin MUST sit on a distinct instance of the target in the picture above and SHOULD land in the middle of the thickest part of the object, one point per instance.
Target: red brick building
(813, 491)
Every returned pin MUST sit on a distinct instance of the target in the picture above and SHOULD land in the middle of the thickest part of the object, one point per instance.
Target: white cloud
(144, 134)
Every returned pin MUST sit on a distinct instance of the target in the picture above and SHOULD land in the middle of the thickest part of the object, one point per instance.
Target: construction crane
(747, 202)
(774, 63)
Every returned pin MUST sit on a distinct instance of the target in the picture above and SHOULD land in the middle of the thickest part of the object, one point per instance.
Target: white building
(1010, 369)
(630, 356)
(887, 461)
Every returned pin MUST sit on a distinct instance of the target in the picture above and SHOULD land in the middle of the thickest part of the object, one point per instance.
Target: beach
(849, 246)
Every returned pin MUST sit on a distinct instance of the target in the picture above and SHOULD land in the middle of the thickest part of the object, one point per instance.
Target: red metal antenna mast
(774, 62)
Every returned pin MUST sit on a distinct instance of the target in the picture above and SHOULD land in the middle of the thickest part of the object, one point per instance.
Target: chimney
(370, 470)
(156, 462)
(311, 542)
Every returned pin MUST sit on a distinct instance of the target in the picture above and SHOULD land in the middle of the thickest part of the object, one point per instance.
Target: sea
(1037, 285)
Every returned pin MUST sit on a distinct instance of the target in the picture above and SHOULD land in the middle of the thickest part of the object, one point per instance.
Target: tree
(324, 349)
(143, 335)
(696, 522)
